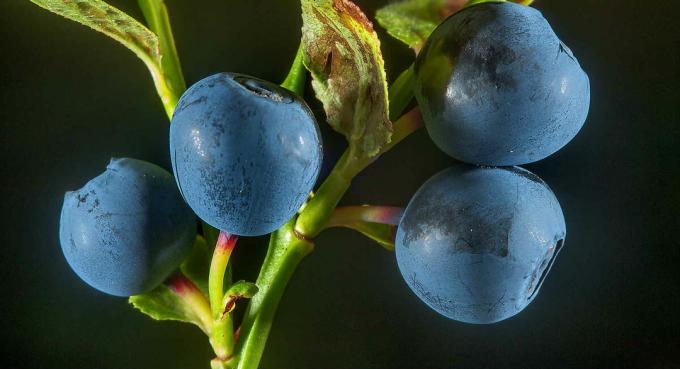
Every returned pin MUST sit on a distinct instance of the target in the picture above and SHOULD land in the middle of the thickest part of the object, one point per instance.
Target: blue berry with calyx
(496, 86)
(127, 229)
(475, 244)
(246, 153)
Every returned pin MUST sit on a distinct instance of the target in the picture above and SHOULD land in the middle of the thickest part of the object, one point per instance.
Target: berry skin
(475, 244)
(246, 153)
(496, 86)
(127, 229)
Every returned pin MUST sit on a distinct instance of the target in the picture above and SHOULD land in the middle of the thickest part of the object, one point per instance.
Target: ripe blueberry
(127, 229)
(496, 86)
(246, 153)
(475, 244)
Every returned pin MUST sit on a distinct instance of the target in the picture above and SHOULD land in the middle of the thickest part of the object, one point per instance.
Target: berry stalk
(223, 248)
(222, 335)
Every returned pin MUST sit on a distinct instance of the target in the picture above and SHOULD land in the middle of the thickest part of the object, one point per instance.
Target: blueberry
(246, 153)
(127, 229)
(496, 86)
(475, 244)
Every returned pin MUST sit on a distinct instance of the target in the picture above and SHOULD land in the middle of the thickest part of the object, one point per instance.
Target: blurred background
(71, 98)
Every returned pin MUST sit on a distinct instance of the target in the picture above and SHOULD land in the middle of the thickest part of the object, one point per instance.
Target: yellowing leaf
(342, 53)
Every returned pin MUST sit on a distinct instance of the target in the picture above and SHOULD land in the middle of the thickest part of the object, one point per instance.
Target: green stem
(285, 252)
(169, 80)
(401, 92)
(222, 335)
(297, 76)
(210, 234)
(318, 210)
(222, 338)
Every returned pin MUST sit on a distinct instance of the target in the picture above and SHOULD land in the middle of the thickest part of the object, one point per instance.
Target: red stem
(226, 242)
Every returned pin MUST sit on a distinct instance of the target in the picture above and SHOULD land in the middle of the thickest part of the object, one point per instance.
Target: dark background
(71, 98)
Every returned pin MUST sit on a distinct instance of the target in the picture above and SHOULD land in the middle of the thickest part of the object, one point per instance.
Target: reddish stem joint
(226, 242)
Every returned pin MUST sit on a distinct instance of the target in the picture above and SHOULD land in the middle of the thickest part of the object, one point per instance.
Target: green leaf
(179, 300)
(104, 18)
(242, 289)
(412, 21)
(121, 27)
(342, 52)
(110, 21)
(239, 290)
(162, 304)
(383, 234)
(197, 266)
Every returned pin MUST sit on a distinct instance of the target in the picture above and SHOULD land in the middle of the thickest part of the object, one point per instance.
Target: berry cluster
(495, 88)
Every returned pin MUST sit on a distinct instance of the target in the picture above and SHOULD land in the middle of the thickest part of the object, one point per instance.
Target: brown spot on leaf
(343, 53)
(349, 8)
